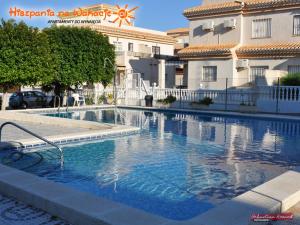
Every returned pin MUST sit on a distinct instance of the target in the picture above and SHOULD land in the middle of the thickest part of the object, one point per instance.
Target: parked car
(29, 99)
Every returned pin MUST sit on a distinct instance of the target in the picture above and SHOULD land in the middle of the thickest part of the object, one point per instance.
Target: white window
(209, 73)
(261, 28)
(257, 72)
(294, 69)
(118, 46)
(297, 25)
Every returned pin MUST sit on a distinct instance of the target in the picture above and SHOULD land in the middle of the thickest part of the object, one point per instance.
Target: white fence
(283, 99)
(218, 96)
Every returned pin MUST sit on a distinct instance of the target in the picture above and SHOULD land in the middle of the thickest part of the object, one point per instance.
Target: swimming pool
(179, 166)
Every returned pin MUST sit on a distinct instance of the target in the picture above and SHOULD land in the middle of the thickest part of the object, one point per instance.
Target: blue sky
(152, 14)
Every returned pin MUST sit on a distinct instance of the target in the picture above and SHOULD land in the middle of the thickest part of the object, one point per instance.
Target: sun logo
(124, 14)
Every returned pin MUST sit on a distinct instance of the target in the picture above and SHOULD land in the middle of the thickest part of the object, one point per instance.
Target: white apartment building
(139, 51)
(250, 42)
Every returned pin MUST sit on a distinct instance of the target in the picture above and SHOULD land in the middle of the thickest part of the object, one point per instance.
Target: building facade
(244, 43)
(138, 50)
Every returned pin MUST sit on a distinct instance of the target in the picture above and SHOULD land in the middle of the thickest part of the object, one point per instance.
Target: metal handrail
(35, 135)
(54, 102)
(67, 105)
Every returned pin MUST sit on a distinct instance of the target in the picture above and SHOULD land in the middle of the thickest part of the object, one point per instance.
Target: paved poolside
(14, 212)
(12, 133)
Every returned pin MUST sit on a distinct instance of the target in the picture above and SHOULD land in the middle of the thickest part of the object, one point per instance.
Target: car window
(26, 94)
(39, 94)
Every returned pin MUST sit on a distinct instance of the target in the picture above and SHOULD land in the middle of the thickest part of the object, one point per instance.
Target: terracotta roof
(179, 31)
(212, 9)
(133, 34)
(279, 50)
(200, 51)
(235, 7)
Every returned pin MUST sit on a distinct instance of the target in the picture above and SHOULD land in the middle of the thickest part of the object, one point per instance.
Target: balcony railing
(134, 54)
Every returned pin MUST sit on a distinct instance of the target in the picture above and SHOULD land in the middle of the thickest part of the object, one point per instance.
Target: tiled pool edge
(82, 208)
(65, 109)
(196, 111)
(216, 112)
(118, 131)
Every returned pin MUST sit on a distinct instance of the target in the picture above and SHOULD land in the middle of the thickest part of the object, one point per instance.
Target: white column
(162, 73)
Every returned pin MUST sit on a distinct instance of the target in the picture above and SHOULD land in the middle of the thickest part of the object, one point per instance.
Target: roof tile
(133, 34)
(276, 50)
(195, 51)
(250, 5)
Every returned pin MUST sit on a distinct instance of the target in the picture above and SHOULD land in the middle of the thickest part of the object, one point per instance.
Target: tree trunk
(4, 100)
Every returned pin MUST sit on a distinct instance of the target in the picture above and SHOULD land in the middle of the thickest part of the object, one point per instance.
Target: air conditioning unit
(242, 63)
(208, 26)
(230, 23)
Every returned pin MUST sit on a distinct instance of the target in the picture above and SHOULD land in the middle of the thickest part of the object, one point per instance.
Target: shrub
(101, 99)
(292, 79)
(206, 101)
(168, 100)
(89, 100)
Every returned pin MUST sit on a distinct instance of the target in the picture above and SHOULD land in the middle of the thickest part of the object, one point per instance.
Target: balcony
(139, 54)
(122, 55)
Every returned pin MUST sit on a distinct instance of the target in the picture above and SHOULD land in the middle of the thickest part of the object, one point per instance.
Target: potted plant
(203, 103)
(165, 103)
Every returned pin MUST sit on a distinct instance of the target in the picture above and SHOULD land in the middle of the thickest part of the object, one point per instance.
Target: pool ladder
(35, 135)
(57, 97)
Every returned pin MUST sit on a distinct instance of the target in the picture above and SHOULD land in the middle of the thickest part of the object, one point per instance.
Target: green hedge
(291, 80)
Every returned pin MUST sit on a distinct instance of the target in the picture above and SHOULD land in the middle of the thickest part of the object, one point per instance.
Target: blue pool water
(178, 166)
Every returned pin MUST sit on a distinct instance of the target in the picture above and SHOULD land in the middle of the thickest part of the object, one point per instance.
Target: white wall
(220, 35)
(282, 27)
(275, 64)
(224, 70)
